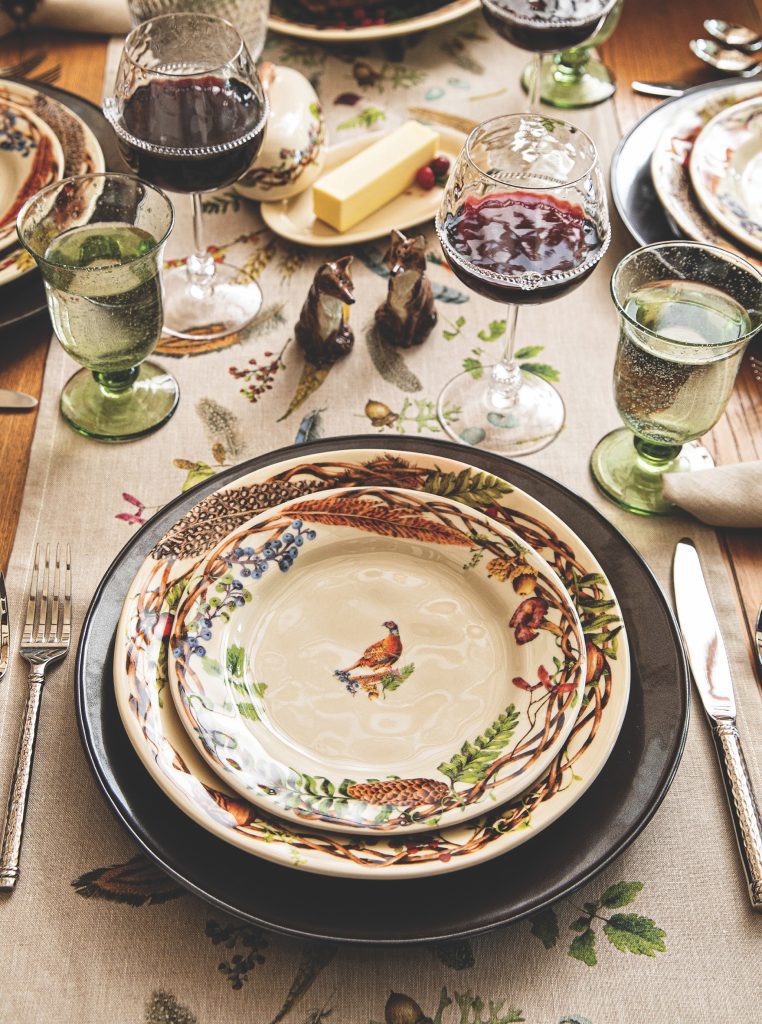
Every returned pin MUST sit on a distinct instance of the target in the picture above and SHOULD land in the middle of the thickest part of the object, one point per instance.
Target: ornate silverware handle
(10, 851)
(743, 805)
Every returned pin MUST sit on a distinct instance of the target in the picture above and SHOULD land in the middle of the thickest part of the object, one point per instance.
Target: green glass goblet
(575, 78)
(687, 312)
(98, 241)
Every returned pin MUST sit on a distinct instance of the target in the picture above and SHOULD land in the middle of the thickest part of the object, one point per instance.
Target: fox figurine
(408, 315)
(322, 331)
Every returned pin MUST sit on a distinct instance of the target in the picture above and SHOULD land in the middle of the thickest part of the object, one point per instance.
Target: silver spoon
(730, 62)
(738, 36)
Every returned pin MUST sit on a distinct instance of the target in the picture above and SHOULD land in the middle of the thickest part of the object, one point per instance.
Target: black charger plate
(631, 185)
(25, 297)
(570, 852)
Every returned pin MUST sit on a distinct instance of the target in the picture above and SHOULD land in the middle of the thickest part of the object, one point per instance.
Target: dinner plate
(582, 841)
(142, 647)
(376, 660)
(27, 296)
(295, 220)
(442, 15)
(30, 158)
(726, 170)
(671, 158)
(81, 154)
(632, 187)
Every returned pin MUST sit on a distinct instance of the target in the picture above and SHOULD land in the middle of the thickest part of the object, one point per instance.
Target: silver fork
(48, 77)
(46, 638)
(23, 67)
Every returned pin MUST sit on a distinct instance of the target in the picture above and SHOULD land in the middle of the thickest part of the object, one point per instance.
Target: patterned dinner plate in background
(726, 170)
(30, 158)
(671, 158)
(376, 660)
(141, 654)
(287, 17)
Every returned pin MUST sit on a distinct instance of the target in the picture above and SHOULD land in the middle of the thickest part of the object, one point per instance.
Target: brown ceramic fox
(408, 315)
(323, 330)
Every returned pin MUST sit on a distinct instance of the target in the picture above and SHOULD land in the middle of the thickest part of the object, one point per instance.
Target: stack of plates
(692, 168)
(45, 134)
(341, 665)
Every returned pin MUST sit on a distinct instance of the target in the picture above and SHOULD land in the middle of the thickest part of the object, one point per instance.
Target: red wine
(546, 25)
(519, 233)
(191, 113)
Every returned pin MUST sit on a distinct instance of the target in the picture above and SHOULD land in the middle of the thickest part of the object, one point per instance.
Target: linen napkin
(725, 496)
(103, 17)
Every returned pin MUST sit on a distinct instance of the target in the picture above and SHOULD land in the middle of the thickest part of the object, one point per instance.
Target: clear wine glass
(686, 312)
(574, 78)
(98, 240)
(249, 17)
(189, 113)
(523, 220)
(545, 26)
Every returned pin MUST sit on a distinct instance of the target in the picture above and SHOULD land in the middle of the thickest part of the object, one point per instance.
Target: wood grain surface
(650, 44)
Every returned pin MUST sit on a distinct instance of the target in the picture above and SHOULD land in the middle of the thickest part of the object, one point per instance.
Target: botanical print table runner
(94, 932)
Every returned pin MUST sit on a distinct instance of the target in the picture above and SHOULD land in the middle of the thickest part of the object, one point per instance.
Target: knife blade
(661, 89)
(711, 672)
(16, 400)
(758, 642)
(5, 633)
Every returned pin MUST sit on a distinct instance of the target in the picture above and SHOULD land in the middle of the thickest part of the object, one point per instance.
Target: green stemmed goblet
(687, 312)
(98, 241)
(574, 77)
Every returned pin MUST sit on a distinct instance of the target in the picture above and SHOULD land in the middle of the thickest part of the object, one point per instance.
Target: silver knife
(758, 642)
(16, 400)
(659, 88)
(5, 633)
(711, 673)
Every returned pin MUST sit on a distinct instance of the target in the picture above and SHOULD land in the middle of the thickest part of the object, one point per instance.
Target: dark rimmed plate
(25, 297)
(567, 854)
(632, 189)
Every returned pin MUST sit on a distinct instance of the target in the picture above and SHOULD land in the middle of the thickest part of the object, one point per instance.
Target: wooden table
(651, 43)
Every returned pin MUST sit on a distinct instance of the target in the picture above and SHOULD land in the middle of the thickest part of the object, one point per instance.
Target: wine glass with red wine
(189, 113)
(544, 26)
(523, 220)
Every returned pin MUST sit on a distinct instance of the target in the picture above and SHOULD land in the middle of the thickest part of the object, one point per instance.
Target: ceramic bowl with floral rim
(141, 656)
(376, 660)
(81, 151)
(30, 158)
(671, 158)
(726, 170)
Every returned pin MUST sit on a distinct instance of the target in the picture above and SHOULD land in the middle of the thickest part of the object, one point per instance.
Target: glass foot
(570, 88)
(142, 407)
(631, 482)
(228, 305)
(466, 414)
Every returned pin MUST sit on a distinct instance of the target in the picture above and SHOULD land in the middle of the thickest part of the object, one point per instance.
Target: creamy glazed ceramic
(726, 170)
(30, 158)
(141, 653)
(376, 660)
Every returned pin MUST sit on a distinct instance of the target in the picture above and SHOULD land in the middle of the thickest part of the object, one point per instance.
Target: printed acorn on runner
(401, 1009)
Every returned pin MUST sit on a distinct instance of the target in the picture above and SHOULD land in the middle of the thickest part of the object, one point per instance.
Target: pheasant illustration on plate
(379, 659)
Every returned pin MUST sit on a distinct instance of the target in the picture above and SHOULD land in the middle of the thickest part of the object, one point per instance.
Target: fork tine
(43, 604)
(49, 76)
(23, 67)
(55, 629)
(66, 631)
(32, 602)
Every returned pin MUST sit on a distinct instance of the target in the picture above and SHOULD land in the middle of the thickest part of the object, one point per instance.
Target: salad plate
(726, 170)
(295, 219)
(672, 155)
(30, 158)
(149, 606)
(376, 660)
(401, 17)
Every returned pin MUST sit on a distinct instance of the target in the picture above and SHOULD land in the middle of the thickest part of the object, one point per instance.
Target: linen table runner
(94, 933)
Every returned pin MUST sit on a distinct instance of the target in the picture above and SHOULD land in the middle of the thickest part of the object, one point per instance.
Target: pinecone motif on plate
(214, 517)
(400, 792)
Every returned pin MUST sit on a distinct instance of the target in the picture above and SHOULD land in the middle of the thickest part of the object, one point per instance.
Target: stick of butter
(351, 192)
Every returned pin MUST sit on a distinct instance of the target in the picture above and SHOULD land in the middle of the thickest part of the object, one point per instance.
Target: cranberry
(440, 165)
(425, 178)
